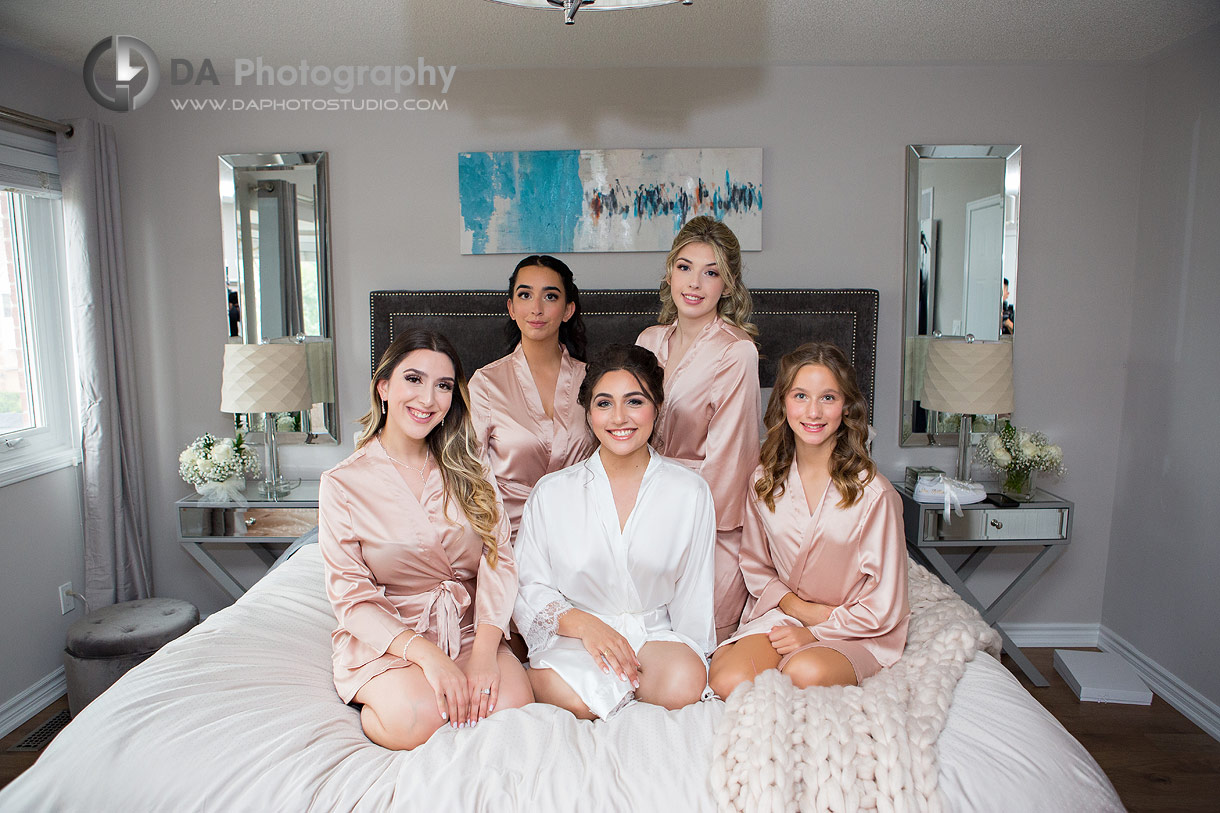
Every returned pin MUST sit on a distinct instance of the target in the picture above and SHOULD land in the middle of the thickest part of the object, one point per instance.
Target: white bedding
(240, 714)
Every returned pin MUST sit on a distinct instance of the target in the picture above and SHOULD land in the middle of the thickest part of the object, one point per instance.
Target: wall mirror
(963, 206)
(275, 226)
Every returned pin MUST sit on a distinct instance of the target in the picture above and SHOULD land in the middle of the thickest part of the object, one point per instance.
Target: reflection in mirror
(962, 213)
(275, 227)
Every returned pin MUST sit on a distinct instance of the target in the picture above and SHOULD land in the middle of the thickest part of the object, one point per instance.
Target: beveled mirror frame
(238, 173)
(910, 414)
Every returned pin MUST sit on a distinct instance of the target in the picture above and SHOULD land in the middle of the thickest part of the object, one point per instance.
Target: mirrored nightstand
(1045, 522)
(262, 525)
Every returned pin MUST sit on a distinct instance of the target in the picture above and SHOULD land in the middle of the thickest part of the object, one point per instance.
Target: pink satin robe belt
(520, 442)
(710, 423)
(853, 559)
(395, 563)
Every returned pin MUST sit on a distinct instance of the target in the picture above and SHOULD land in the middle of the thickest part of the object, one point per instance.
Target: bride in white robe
(615, 559)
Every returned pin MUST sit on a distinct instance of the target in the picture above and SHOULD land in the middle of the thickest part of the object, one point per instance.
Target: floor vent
(39, 737)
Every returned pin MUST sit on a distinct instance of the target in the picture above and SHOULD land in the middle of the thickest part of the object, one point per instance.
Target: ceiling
(709, 33)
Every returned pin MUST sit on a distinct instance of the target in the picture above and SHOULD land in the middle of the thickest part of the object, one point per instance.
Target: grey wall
(833, 140)
(1161, 592)
(41, 541)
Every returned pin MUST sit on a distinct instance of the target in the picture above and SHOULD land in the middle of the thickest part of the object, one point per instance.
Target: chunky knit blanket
(848, 748)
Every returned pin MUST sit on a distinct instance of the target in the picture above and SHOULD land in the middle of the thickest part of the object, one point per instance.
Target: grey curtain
(117, 558)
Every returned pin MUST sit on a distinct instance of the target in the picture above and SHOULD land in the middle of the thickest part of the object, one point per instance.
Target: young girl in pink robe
(524, 405)
(419, 570)
(823, 552)
(709, 421)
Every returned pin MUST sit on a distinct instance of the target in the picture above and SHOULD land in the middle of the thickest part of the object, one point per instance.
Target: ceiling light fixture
(570, 7)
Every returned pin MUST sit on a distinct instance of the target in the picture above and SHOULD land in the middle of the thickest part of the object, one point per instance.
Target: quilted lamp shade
(265, 378)
(968, 377)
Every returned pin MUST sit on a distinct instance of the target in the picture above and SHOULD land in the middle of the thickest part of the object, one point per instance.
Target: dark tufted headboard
(474, 322)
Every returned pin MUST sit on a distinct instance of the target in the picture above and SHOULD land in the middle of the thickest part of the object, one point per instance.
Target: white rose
(187, 456)
(1023, 437)
(1029, 449)
(285, 423)
(1054, 453)
(1002, 457)
(223, 452)
(995, 444)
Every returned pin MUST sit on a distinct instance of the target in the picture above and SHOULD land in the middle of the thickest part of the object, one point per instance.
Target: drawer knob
(995, 523)
(250, 522)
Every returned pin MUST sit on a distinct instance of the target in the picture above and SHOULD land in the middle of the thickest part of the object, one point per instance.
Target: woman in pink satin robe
(710, 418)
(419, 569)
(524, 404)
(823, 552)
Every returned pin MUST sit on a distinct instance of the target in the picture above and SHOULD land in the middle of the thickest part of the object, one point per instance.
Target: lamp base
(277, 489)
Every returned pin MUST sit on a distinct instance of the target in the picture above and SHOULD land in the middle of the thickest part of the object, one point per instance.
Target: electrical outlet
(66, 603)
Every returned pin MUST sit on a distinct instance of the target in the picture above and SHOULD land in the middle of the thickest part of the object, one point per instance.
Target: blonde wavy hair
(848, 460)
(452, 442)
(735, 305)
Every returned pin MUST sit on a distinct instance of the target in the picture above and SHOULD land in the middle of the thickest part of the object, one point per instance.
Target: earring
(383, 408)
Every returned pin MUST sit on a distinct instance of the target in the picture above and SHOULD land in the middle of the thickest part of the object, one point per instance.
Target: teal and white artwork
(561, 201)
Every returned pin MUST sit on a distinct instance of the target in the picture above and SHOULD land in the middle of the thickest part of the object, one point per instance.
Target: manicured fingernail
(444, 715)
(491, 708)
(635, 683)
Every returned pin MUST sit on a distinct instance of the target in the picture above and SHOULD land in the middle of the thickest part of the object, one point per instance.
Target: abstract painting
(560, 201)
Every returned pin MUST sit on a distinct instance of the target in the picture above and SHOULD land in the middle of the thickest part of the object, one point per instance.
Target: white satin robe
(710, 423)
(651, 582)
(520, 443)
(395, 563)
(853, 559)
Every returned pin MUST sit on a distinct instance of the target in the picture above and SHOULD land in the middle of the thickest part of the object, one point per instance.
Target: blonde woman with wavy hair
(823, 553)
(419, 570)
(708, 423)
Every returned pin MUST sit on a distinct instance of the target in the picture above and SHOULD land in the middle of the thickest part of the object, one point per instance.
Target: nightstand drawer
(997, 524)
(252, 521)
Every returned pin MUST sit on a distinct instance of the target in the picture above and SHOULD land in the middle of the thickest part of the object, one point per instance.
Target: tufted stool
(106, 643)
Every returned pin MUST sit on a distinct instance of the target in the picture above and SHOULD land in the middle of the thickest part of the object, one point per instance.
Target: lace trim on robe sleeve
(545, 625)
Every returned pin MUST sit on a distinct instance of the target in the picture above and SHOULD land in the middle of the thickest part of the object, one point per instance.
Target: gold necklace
(420, 471)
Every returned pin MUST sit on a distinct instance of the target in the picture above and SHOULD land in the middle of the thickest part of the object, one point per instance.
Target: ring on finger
(485, 691)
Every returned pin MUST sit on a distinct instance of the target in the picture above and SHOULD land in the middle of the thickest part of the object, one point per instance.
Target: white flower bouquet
(1018, 454)
(217, 468)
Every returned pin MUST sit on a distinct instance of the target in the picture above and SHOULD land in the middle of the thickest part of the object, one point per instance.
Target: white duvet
(240, 714)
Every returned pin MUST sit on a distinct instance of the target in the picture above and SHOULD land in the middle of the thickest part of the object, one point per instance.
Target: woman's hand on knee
(446, 679)
(483, 684)
(609, 650)
(788, 639)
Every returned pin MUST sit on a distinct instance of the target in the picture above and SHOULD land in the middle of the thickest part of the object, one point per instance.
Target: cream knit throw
(848, 748)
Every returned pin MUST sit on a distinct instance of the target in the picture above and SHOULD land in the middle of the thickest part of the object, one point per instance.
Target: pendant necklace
(420, 471)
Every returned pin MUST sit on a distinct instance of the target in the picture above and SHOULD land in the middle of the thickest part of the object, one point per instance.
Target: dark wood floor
(1156, 758)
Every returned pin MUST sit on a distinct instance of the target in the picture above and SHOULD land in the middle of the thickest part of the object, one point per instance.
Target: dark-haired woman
(710, 419)
(419, 570)
(524, 405)
(615, 557)
(823, 552)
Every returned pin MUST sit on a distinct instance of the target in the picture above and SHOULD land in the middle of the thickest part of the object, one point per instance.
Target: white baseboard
(1038, 635)
(33, 700)
(1192, 705)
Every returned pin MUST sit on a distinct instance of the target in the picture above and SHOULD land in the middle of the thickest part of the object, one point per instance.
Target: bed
(241, 713)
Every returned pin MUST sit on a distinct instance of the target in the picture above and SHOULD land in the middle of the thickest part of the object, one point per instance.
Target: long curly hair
(571, 332)
(452, 442)
(849, 458)
(735, 305)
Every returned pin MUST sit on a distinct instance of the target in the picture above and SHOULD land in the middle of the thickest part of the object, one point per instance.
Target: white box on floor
(1101, 677)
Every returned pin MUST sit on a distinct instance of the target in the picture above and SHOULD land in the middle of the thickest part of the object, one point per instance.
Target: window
(38, 420)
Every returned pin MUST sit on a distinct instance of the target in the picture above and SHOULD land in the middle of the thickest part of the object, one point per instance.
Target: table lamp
(266, 378)
(969, 377)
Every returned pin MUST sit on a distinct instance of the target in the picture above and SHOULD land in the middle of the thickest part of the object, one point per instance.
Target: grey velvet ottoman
(106, 643)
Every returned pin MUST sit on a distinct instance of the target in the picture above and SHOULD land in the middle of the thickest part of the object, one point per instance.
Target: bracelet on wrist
(408, 643)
